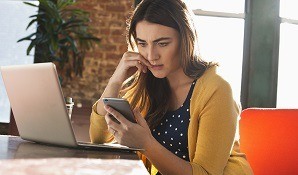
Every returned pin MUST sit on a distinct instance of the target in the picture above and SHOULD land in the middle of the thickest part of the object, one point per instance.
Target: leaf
(32, 44)
(33, 16)
(54, 43)
(40, 39)
(76, 12)
(52, 52)
(27, 37)
(72, 43)
(91, 38)
(49, 8)
(63, 4)
(31, 22)
(28, 3)
(72, 22)
(63, 41)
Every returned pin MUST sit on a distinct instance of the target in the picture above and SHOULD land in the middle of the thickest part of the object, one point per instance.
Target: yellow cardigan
(213, 139)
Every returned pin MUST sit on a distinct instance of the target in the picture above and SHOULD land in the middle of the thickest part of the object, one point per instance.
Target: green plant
(62, 35)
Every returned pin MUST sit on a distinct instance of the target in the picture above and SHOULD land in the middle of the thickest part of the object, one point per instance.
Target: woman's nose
(152, 54)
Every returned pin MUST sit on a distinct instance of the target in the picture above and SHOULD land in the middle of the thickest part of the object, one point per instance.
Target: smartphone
(122, 106)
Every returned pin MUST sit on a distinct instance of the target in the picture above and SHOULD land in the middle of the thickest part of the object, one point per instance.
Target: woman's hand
(130, 134)
(128, 65)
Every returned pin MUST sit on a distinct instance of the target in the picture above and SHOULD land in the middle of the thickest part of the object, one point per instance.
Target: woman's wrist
(149, 146)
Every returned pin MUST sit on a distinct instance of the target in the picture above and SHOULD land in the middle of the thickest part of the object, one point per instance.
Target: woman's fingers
(143, 60)
(111, 130)
(119, 117)
(136, 64)
(128, 65)
(127, 133)
(112, 122)
(134, 56)
(117, 123)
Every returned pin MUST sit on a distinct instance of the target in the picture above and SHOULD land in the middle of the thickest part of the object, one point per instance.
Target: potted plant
(63, 35)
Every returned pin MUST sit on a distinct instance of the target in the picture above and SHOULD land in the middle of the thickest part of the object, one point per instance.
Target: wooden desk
(18, 156)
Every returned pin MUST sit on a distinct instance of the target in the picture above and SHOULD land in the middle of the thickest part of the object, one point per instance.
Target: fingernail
(106, 107)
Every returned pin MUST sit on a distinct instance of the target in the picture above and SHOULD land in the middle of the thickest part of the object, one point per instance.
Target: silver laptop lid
(38, 104)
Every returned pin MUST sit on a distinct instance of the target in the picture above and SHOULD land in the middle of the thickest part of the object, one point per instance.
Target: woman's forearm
(165, 161)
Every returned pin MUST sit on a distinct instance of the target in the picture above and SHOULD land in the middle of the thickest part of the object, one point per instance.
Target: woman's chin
(158, 75)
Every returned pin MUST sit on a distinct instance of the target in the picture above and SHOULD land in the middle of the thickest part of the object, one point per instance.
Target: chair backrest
(269, 138)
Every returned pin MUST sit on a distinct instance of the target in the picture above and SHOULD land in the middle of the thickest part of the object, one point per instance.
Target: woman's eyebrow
(155, 41)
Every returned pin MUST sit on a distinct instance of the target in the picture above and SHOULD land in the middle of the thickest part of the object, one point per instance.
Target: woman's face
(160, 46)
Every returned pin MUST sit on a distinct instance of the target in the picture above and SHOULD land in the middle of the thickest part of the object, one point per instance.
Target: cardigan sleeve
(98, 130)
(217, 125)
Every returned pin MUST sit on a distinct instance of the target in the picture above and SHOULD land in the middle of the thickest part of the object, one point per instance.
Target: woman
(186, 116)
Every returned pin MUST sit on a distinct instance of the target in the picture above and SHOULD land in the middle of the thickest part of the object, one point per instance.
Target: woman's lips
(157, 67)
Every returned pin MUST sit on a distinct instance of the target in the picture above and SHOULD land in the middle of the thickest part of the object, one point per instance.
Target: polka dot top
(172, 131)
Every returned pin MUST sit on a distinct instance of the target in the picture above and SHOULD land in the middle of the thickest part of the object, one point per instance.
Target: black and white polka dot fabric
(172, 131)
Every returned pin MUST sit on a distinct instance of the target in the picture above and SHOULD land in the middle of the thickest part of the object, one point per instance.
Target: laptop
(39, 108)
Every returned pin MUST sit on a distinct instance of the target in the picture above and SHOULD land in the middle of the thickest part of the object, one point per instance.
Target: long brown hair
(149, 93)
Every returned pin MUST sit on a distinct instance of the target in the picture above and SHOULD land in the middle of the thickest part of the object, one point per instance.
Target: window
(14, 17)
(228, 6)
(287, 94)
(220, 26)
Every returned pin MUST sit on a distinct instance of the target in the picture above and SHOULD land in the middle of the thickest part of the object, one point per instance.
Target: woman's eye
(163, 44)
(142, 44)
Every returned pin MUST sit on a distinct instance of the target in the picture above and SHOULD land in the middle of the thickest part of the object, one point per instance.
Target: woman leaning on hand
(186, 117)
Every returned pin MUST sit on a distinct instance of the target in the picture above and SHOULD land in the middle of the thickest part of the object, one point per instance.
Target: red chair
(269, 138)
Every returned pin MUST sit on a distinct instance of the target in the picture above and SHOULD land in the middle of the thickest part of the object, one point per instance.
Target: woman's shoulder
(211, 86)
(211, 80)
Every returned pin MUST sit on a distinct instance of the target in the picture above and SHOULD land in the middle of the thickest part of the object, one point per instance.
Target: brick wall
(109, 21)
